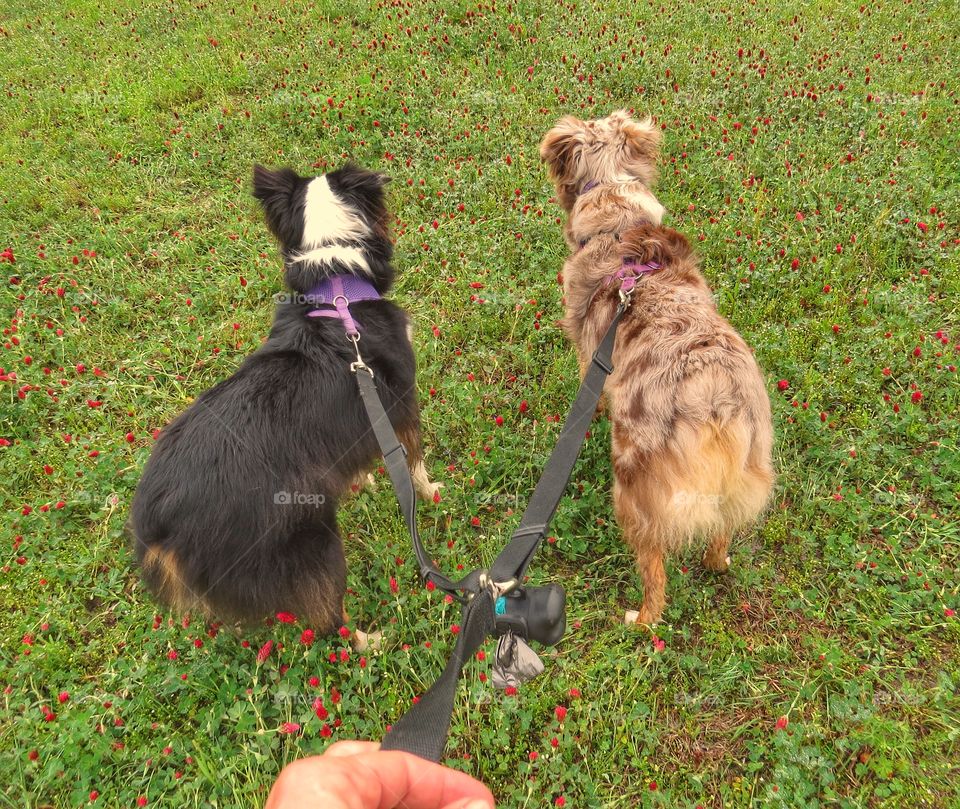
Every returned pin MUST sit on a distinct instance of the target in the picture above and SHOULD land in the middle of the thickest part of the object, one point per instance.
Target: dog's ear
(559, 148)
(269, 185)
(642, 141)
(651, 243)
(354, 179)
(275, 190)
(361, 190)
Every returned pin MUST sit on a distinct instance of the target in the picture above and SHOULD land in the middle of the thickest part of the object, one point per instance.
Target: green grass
(129, 129)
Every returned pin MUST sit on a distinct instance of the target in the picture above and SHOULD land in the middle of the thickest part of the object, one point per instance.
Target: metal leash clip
(359, 365)
(497, 589)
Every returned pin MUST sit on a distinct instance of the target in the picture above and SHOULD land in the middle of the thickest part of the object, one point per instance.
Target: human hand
(358, 775)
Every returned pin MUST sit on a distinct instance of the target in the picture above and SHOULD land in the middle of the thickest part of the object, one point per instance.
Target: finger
(351, 748)
(302, 784)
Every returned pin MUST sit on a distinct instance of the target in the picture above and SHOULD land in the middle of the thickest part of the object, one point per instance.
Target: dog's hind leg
(716, 557)
(654, 575)
(164, 576)
(637, 508)
(426, 488)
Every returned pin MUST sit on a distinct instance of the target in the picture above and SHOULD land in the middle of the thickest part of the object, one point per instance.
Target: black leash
(495, 601)
(394, 457)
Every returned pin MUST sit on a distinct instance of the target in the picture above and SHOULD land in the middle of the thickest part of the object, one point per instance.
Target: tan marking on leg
(426, 489)
(421, 481)
(163, 569)
(363, 480)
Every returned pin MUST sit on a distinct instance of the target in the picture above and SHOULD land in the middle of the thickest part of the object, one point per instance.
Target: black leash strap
(515, 557)
(395, 460)
(423, 729)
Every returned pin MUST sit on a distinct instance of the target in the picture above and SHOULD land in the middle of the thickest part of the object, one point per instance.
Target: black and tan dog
(235, 514)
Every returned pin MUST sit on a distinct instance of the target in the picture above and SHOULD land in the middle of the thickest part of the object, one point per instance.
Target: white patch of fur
(410, 332)
(326, 255)
(327, 218)
(364, 642)
(425, 487)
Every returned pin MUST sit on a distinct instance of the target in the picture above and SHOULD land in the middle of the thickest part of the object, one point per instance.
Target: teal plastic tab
(501, 606)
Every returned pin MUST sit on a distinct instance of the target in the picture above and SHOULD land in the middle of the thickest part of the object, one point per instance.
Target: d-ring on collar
(340, 291)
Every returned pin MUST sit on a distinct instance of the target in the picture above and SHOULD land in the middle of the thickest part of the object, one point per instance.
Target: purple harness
(339, 291)
(629, 272)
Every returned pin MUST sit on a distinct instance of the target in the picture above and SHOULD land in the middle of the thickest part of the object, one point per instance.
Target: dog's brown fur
(691, 427)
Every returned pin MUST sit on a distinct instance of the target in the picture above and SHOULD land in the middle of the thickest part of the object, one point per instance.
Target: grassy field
(811, 154)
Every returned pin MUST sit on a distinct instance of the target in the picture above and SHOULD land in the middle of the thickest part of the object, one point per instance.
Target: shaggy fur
(235, 514)
(691, 427)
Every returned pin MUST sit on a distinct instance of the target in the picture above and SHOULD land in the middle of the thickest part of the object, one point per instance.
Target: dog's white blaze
(327, 218)
(345, 255)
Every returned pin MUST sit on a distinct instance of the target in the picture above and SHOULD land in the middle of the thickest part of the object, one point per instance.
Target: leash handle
(423, 729)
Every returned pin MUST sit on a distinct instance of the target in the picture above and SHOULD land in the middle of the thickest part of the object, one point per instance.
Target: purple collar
(588, 187)
(340, 291)
(629, 272)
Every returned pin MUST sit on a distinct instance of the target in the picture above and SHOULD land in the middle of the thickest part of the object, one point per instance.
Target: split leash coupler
(532, 613)
(495, 601)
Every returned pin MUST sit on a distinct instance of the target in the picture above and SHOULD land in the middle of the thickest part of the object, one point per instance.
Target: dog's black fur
(209, 533)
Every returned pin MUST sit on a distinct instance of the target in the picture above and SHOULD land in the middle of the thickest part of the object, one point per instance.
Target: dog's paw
(367, 642)
(429, 491)
(717, 565)
(365, 480)
(643, 618)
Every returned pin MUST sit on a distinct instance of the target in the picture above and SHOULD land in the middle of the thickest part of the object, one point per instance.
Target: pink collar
(629, 272)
